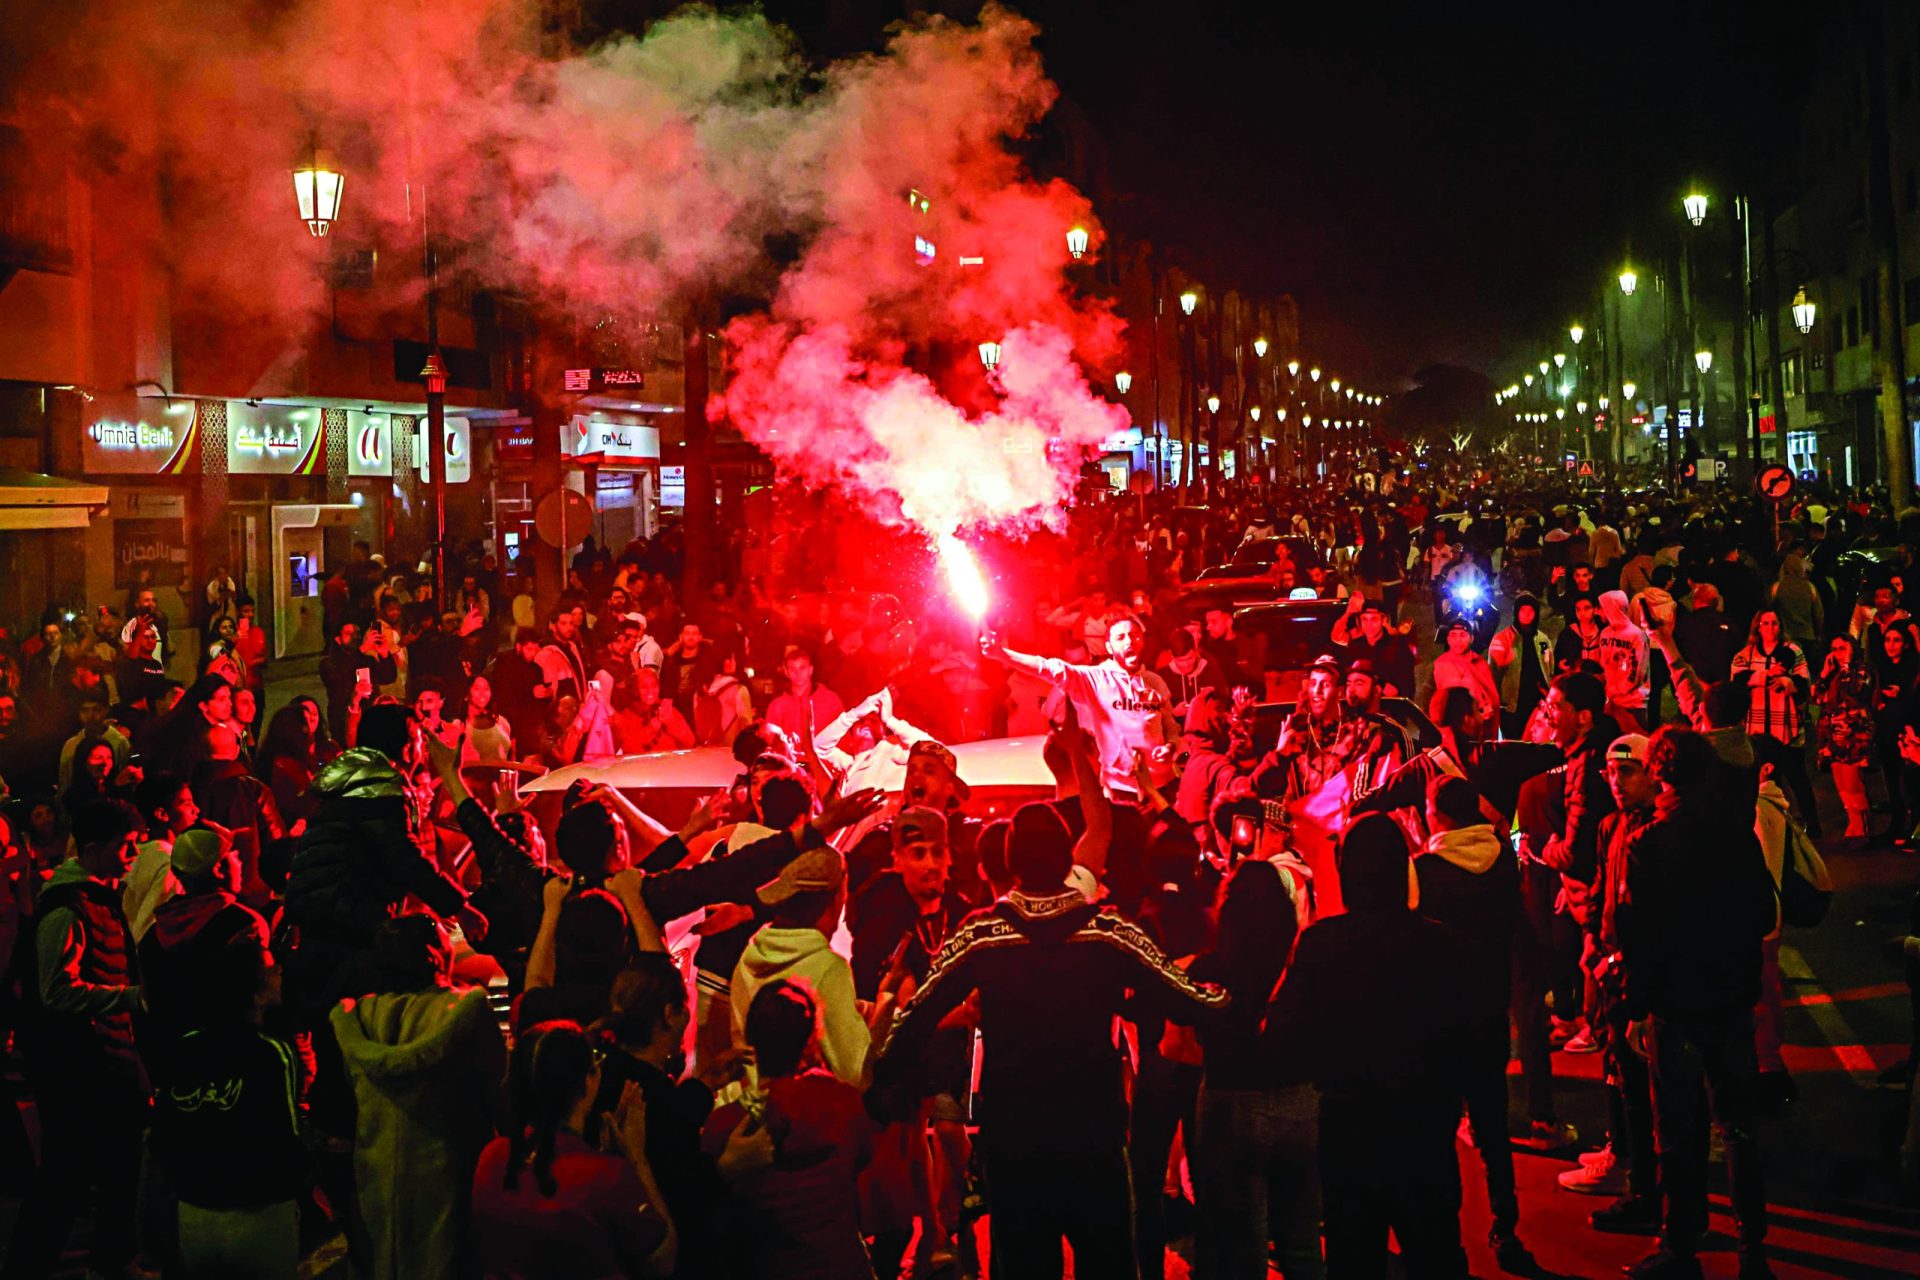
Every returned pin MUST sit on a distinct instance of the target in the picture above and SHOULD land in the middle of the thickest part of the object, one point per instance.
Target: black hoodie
(1053, 972)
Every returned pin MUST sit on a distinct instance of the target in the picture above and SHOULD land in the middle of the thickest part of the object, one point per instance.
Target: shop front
(146, 450)
(614, 460)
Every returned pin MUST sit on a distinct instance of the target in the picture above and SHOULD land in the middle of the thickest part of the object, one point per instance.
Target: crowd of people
(1238, 977)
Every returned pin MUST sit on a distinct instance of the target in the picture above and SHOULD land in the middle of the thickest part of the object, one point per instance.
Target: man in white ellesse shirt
(1125, 706)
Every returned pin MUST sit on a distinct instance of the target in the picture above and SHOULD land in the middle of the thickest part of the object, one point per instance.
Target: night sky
(1432, 182)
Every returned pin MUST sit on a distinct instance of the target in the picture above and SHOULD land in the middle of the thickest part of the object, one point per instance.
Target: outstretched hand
(844, 811)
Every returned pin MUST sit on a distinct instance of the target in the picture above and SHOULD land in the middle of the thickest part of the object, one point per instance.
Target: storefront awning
(29, 500)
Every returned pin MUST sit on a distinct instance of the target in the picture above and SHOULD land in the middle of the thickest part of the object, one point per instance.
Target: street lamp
(1627, 389)
(1527, 378)
(1293, 368)
(1703, 360)
(1123, 381)
(317, 187)
(990, 355)
(1213, 404)
(1188, 301)
(1559, 360)
(1628, 282)
(1335, 384)
(1260, 347)
(1580, 406)
(1280, 414)
(1560, 414)
(1254, 412)
(1603, 404)
(1696, 206)
(1077, 243)
(1543, 368)
(1314, 373)
(1577, 332)
(1803, 310)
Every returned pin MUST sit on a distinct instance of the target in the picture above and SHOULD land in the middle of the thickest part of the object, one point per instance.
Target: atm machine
(299, 572)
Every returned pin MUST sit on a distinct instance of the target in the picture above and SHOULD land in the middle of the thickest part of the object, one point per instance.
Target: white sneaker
(1600, 1178)
(1603, 1156)
(1582, 1041)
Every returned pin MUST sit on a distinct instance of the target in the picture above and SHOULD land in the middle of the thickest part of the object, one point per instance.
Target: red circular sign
(1774, 482)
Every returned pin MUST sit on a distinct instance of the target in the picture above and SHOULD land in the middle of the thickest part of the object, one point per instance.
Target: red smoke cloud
(628, 178)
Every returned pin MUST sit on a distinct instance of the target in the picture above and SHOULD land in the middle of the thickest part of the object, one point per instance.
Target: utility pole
(1776, 382)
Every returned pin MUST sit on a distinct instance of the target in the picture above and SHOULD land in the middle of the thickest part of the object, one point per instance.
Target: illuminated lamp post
(1188, 301)
(1629, 282)
(318, 186)
(1293, 368)
(1695, 206)
(1577, 332)
(990, 355)
(1703, 360)
(1123, 382)
(1260, 348)
(1077, 243)
(1803, 310)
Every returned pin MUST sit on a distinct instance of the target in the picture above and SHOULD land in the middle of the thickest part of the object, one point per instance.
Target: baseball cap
(919, 822)
(197, 851)
(939, 751)
(1363, 667)
(636, 619)
(1629, 746)
(1328, 663)
(812, 871)
(1371, 605)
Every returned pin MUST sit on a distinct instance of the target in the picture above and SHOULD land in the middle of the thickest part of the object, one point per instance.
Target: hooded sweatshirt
(1622, 652)
(428, 1070)
(1470, 880)
(804, 956)
(201, 961)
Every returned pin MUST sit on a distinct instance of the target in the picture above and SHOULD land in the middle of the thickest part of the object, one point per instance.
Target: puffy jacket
(359, 857)
(84, 988)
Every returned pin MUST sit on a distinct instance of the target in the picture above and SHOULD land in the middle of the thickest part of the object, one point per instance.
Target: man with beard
(1318, 740)
(563, 665)
(1126, 707)
(1522, 658)
(1385, 648)
(1389, 745)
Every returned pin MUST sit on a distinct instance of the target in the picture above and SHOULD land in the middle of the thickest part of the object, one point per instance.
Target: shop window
(1792, 375)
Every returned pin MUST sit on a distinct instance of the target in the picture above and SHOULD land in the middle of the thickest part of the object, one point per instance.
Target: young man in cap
(1627, 1164)
(1126, 707)
(1698, 903)
(900, 921)
(932, 781)
(207, 953)
(1378, 642)
(803, 905)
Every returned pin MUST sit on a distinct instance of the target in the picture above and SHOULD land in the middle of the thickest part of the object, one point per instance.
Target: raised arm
(1047, 669)
(1090, 850)
(1688, 689)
